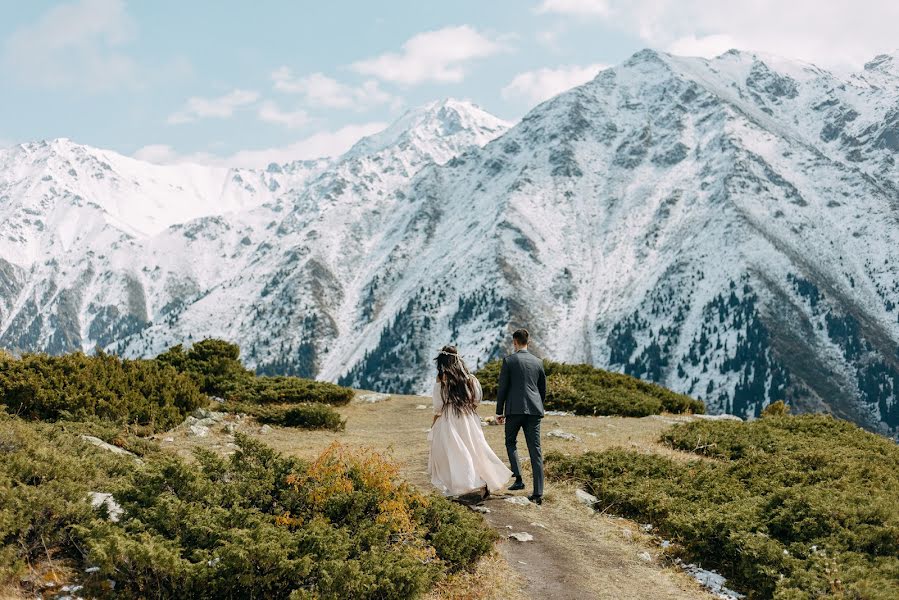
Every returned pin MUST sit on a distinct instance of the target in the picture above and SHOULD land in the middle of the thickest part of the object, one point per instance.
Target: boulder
(372, 397)
(586, 498)
(101, 444)
(719, 417)
(522, 536)
(198, 430)
(563, 435)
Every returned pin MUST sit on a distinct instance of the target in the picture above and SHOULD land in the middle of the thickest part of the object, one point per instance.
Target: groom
(519, 404)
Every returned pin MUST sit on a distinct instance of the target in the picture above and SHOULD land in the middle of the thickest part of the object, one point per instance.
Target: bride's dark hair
(457, 385)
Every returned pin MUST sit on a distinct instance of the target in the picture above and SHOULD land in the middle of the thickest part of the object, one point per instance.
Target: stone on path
(421, 407)
(265, 429)
(522, 536)
(586, 498)
(564, 435)
(197, 430)
(520, 500)
(481, 509)
(373, 397)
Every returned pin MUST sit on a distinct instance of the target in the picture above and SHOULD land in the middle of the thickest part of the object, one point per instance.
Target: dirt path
(575, 552)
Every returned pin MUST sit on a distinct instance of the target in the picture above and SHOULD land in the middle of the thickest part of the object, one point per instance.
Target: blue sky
(242, 82)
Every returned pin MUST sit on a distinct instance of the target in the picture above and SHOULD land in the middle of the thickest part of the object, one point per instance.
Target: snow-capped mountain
(725, 227)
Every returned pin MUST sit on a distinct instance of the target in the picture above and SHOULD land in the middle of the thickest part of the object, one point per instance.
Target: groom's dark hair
(521, 336)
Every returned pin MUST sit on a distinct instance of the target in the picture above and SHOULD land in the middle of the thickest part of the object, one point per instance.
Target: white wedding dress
(461, 461)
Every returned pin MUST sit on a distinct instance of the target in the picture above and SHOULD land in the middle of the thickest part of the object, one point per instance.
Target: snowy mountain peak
(438, 130)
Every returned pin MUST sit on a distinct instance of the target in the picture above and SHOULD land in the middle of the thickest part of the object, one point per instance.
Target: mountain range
(725, 227)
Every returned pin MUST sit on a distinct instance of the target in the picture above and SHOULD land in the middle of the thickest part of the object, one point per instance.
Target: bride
(461, 461)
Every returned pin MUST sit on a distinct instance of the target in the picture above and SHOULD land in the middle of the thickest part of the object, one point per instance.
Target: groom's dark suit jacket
(522, 385)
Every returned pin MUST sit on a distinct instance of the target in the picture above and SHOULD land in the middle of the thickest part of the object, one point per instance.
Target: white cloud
(270, 113)
(441, 56)
(221, 107)
(75, 45)
(835, 33)
(542, 84)
(319, 90)
(4, 143)
(317, 145)
(575, 7)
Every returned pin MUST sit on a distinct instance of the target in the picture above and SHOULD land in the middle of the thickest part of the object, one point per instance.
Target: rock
(586, 498)
(421, 407)
(198, 430)
(101, 444)
(719, 417)
(519, 500)
(522, 536)
(558, 413)
(540, 525)
(372, 398)
(190, 420)
(265, 429)
(217, 399)
(481, 509)
(564, 435)
(646, 528)
(627, 534)
(229, 427)
(92, 569)
(113, 508)
(645, 556)
(169, 439)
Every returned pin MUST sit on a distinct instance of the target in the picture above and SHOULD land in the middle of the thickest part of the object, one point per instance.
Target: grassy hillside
(340, 526)
(147, 396)
(786, 507)
(587, 390)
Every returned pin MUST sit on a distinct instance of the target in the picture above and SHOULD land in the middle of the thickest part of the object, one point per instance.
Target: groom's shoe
(536, 499)
(518, 485)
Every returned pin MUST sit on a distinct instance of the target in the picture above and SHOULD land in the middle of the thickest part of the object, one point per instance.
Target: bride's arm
(437, 399)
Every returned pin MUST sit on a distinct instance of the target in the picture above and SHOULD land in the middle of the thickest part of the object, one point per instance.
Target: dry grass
(492, 579)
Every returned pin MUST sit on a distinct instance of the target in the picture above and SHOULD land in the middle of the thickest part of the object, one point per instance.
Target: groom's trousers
(531, 426)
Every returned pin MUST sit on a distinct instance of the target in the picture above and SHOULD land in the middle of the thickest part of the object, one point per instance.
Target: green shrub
(46, 475)
(788, 507)
(214, 364)
(303, 416)
(586, 390)
(256, 524)
(340, 527)
(776, 409)
(290, 390)
(79, 387)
